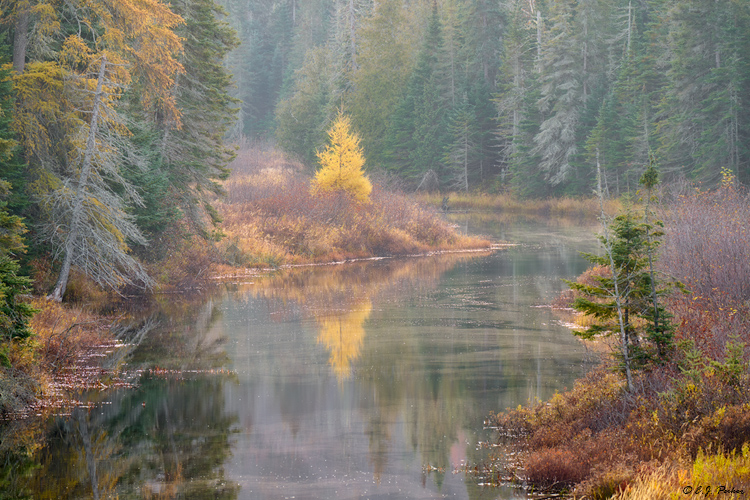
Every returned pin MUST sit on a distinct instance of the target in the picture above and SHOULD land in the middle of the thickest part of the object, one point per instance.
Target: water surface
(362, 380)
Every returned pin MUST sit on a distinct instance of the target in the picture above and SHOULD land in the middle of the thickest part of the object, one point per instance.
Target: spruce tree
(562, 96)
(194, 155)
(417, 133)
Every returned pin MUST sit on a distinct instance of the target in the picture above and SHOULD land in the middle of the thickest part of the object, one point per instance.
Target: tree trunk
(615, 279)
(585, 56)
(466, 159)
(20, 41)
(76, 217)
(89, 452)
(353, 35)
(539, 41)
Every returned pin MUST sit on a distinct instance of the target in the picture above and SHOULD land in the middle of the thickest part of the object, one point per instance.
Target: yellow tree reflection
(343, 336)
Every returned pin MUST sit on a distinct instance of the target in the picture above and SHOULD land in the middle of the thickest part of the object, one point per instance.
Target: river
(359, 380)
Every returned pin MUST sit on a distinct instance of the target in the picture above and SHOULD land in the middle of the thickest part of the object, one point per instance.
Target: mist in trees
(120, 112)
(527, 90)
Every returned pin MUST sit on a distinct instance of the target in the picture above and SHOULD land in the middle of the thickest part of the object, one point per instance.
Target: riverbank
(565, 207)
(61, 357)
(685, 424)
(272, 218)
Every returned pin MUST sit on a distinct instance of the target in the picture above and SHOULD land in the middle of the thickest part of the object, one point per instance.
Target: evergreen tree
(386, 40)
(462, 150)
(416, 136)
(701, 108)
(626, 292)
(14, 311)
(513, 102)
(562, 96)
(302, 117)
(194, 155)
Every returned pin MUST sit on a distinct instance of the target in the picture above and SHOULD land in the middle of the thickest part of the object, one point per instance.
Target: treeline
(112, 120)
(521, 95)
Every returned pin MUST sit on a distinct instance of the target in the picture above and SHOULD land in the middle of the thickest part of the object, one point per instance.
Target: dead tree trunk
(76, 218)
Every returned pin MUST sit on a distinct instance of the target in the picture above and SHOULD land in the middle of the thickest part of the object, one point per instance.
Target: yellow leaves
(341, 163)
(343, 336)
(41, 105)
(75, 52)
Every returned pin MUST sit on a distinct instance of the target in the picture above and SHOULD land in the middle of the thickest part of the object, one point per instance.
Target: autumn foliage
(272, 217)
(341, 163)
(687, 422)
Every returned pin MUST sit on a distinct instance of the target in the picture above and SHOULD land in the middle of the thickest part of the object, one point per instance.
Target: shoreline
(249, 272)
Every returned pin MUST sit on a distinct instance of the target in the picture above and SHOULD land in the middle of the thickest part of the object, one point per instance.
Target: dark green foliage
(417, 136)
(194, 155)
(14, 312)
(572, 81)
(629, 244)
(11, 165)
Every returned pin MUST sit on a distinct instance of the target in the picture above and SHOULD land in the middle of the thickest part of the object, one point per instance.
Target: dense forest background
(519, 95)
(114, 114)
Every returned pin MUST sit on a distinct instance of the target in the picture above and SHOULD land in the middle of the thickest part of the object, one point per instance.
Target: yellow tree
(341, 163)
(68, 119)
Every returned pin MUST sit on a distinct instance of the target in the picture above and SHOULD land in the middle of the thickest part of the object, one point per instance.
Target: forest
(117, 116)
(150, 144)
(523, 96)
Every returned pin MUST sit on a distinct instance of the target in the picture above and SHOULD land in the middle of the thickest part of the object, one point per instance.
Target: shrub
(271, 215)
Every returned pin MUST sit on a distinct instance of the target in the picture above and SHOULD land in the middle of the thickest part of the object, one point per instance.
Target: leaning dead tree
(90, 227)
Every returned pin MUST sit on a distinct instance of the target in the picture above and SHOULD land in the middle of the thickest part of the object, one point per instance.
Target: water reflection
(167, 438)
(343, 334)
(349, 381)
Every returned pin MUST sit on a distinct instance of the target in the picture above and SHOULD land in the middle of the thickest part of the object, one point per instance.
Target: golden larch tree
(341, 163)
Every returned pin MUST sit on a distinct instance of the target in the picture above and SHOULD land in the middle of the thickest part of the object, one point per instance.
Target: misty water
(360, 380)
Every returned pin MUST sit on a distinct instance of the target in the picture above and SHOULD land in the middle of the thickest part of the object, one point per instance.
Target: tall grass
(580, 208)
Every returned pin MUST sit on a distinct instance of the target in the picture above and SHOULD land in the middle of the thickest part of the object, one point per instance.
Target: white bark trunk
(77, 215)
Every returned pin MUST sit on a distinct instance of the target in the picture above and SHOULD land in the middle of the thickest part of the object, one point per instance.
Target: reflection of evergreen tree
(183, 434)
(169, 434)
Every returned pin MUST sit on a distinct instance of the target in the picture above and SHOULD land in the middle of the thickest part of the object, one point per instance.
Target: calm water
(365, 380)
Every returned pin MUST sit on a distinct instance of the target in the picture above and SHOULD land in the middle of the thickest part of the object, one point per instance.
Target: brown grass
(271, 217)
(698, 401)
(565, 207)
(62, 354)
